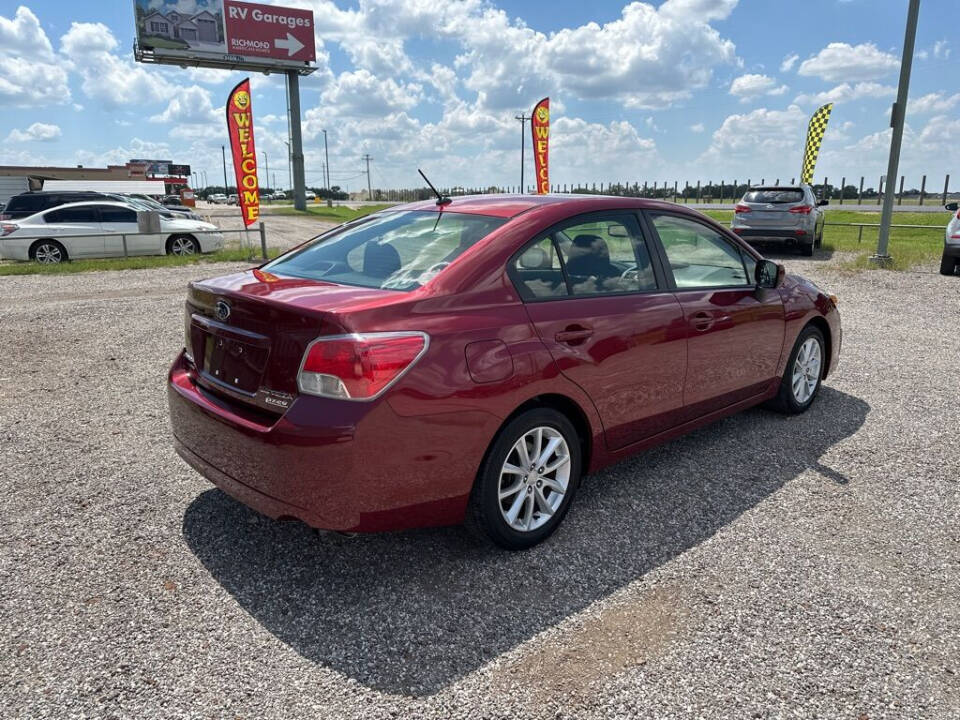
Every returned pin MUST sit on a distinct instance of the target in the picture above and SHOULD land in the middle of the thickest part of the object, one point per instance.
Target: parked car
(783, 214)
(217, 199)
(97, 230)
(470, 361)
(233, 199)
(310, 195)
(279, 195)
(30, 203)
(951, 242)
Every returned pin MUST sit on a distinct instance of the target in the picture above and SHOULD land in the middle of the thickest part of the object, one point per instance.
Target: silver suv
(951, 242)
(785, 214)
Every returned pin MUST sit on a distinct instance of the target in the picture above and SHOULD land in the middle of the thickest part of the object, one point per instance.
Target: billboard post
(296, 142)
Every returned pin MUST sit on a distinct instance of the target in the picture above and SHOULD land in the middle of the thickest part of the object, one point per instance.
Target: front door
(119, 225)
(735, 331)
(600, 305)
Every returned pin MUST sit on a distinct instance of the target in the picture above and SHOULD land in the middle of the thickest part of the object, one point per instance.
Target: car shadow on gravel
(412, 612)
(780, 253)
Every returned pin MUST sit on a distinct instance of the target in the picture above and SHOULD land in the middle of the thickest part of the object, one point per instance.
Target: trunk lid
(247, 332)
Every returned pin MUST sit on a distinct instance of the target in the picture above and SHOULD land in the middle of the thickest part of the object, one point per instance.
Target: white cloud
(362, 94)
(941, 49)
(788, 62)
(107, 78)
(845, 92)
(29, 73)
(840, 62)
(752, 85)
(697, 128)
(933, 102)
(190, 106)
(38, 132)
(759, 142)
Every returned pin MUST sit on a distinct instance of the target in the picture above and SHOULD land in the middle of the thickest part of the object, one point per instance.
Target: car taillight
(6, 216)
(801, 209)
(7, 228)
(360, 366)
(741, 209)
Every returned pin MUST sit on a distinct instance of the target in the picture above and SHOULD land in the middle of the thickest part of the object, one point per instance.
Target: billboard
(225, 34)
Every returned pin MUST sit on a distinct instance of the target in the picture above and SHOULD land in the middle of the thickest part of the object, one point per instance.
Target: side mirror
(769, 274)
(952, 207)
(823, 202)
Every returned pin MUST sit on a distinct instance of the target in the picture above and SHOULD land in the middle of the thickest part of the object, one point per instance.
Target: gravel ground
(761, 567)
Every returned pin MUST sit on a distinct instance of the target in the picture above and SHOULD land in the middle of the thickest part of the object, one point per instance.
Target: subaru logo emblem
(222, 310)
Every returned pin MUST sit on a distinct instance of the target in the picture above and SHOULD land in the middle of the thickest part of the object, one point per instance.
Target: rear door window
(602, 255)
(26, 203)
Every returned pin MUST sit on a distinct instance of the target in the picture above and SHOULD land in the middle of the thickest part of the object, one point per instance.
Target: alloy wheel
(534, 479)
(182, 246)
(48, 254)
(806, 370)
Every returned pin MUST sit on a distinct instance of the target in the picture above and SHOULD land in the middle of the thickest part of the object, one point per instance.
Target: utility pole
(266, 166)
(897, 117)
(223, 152)
(367, 158)
(523, 144)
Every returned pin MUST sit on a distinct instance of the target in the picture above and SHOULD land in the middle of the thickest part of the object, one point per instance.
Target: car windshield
(774, 195)
(395, 251)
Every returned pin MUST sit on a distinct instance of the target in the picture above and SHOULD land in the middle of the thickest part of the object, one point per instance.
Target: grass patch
(135, 263)
(909, 247)
(337, 213)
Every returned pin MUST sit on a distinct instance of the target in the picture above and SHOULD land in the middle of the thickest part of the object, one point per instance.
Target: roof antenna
(441, 199)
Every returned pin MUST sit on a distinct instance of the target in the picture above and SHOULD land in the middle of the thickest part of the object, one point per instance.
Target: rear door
(119, 224)
(735, 331)
(77, 228)
(599, 302)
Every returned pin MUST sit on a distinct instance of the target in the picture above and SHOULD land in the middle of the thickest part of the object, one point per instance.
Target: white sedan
(98, 230)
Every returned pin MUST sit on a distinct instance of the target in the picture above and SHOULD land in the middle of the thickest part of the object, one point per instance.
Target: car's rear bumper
(333, 464)
(951, 250)
(801, 235)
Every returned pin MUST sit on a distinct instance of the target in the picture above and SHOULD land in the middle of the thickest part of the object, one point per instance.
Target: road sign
(225, 34)
(266, 31)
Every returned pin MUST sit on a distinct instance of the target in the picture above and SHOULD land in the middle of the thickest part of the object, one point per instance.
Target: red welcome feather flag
(540, 126)
(240, 128)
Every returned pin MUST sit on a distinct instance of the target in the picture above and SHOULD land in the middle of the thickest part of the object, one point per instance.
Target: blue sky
(659, 91)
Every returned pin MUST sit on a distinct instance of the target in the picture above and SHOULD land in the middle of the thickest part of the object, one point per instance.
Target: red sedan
(470, 360)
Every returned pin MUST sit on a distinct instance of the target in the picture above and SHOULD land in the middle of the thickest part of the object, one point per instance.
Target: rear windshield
(394, 251)
(778, 195)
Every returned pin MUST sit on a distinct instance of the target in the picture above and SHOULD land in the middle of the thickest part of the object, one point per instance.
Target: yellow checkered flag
(815, 131)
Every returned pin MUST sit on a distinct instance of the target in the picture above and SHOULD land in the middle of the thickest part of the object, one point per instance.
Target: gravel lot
(761, 567)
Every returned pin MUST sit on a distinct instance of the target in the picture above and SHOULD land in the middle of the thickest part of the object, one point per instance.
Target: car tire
(948, 265)
(183, 245)
(507, 487)
(48, 252)
(802, 377)
(807, 250)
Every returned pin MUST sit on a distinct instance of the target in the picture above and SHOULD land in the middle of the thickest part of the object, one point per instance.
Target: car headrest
(534, 258)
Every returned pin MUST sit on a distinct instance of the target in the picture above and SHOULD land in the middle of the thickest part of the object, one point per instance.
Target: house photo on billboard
(164, 24)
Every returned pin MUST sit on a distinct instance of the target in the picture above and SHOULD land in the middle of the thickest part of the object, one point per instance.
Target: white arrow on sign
(290, 44)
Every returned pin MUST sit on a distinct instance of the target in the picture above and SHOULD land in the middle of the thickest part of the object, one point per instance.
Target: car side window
(606, 256)
(111, 214)
(599, 256)
(72, 215)
(699, 257)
